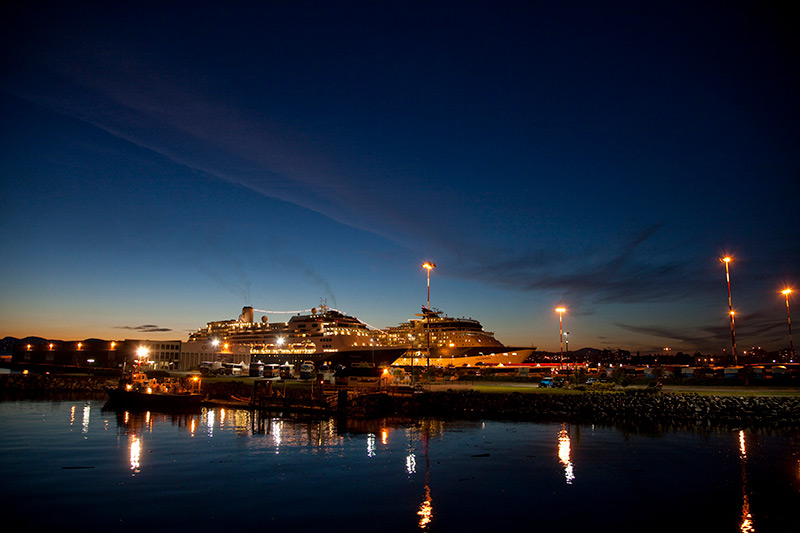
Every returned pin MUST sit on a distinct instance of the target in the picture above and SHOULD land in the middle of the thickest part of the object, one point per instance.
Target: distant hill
(7, 344)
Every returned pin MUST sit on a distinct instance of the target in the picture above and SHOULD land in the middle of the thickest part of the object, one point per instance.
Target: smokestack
(247, 314)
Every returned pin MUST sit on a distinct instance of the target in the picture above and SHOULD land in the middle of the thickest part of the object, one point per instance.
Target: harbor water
(70, 465)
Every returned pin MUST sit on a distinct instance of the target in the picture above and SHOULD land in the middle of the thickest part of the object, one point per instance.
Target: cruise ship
(324, 336)
(453, 342)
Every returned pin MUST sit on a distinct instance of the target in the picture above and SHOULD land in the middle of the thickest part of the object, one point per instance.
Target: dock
(326, 400)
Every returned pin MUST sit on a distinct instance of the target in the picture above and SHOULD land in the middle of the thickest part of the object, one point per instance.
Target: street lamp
(427, 265)
(786, 293)
(142, 352)
(727, 260)
(561, 311)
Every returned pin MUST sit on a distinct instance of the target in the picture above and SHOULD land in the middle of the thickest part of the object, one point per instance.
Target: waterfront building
(156, 355)
(90, 353)
(98, 354)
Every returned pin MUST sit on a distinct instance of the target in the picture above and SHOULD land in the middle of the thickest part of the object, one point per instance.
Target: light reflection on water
(135, 453)
(746, 525)
(564, 454)
(216, 467)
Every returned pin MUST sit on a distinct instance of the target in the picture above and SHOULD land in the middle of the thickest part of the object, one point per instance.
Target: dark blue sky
(164, 164)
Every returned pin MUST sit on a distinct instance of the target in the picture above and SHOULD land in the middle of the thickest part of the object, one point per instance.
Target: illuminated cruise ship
(453, 342)
(324, 336)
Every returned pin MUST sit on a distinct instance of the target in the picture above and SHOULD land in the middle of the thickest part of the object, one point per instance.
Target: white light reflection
(371, 445)
(411, 463)
(86, 412)
(277, 426)
(564, 455)
(135, 453)
(411, 460)
(210, 422)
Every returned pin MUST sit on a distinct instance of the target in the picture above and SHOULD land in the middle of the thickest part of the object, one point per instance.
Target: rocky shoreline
(632, 407)
(619, 409)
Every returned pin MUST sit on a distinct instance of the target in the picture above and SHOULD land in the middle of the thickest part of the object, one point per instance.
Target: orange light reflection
(564, 455)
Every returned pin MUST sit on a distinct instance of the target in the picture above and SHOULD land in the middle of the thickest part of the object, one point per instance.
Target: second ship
(448, 341)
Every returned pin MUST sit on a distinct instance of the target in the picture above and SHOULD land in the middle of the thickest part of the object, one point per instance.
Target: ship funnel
(247, 314)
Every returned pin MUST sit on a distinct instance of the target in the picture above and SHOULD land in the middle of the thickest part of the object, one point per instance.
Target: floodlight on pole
(786, 292)
(728, 260)
(561, 311)
(428, 265)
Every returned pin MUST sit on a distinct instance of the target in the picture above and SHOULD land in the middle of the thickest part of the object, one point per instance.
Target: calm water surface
(72, 466)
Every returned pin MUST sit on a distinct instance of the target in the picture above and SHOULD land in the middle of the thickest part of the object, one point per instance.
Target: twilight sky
(163, 164)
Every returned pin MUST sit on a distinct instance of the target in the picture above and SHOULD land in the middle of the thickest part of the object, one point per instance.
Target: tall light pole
(727, 260)
(786, 293)
(427, 265)
(561, 311)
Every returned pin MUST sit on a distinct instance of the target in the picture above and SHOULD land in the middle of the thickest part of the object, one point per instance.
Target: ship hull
(380, 357)
(137, 400)
(471, 356)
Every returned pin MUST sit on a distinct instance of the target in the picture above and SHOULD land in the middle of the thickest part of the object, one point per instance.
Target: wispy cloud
(687, 338)
(309, 272)
(145, 328)
(763, 324)
(623, 274)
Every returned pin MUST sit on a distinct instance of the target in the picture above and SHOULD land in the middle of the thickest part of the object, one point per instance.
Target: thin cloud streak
(764, 324)
(628, 276)
(145, 328)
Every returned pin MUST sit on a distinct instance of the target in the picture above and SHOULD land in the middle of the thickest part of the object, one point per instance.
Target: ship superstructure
(321, 335)
(452, 341)
(328, 336)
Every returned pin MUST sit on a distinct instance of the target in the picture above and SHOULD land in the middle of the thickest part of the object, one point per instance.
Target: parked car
(547, 382)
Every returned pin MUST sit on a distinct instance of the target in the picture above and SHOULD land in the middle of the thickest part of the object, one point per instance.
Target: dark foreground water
(71, 466)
